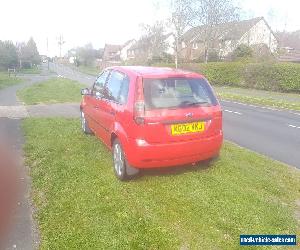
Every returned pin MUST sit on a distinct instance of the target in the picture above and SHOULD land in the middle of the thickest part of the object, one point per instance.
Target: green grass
(81, 205)
(31, 71)
(260, 97)
(6, 81)
(55, 90)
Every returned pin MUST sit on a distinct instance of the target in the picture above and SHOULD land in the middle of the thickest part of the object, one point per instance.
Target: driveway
(24, 233)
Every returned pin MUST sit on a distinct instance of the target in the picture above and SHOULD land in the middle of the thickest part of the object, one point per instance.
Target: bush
(218, 72)
(222, 73)
(283, 77)
(213, 56)
(242, 51)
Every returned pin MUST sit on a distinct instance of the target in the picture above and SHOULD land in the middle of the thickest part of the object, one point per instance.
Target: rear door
(180, 109)
(115, 97)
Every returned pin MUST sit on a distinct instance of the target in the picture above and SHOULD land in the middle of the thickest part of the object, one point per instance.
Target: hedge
(283, 77)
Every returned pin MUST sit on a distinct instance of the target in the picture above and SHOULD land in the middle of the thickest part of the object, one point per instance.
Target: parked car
(153, 117)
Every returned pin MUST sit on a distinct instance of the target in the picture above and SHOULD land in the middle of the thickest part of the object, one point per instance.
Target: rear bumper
(172, 154)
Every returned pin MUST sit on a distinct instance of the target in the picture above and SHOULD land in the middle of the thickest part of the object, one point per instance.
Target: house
(124, 55)
(112, 52)
(138, 51)
(289, 46)
(170, 44)
(227, 37)
(289, 40)
(141, 50)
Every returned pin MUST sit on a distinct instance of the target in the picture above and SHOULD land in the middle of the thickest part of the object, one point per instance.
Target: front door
(94, 101)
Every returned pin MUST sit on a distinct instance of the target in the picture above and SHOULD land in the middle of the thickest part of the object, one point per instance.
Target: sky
(111, 21)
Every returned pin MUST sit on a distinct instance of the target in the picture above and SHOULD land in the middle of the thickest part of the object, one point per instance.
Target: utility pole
(61, 42)
(176, 52)
(47, 46)
(47, 52)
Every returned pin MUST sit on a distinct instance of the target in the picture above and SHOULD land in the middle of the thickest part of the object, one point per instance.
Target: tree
(28, 54)
(182, 15)
(209, 14)
(8, 55)
(33, 54)
(152, 42)
(86, 55)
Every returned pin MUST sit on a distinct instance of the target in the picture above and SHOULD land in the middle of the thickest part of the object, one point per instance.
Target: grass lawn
(260, 97)
(55, 90)
(81, 205)
(6, 81)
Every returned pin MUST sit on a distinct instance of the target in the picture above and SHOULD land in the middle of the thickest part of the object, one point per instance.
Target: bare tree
(182, 15)
(152, 42)
(210, 14)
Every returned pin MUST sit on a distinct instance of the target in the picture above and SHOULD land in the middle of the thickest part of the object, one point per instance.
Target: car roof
(156, 71)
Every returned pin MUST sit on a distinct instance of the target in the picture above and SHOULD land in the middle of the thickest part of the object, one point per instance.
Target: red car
(153, 117)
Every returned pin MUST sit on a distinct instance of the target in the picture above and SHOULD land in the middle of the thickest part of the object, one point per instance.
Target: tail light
(139, 104)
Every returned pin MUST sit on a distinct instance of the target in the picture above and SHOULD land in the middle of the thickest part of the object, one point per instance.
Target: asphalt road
(274, 133)
(271, 132)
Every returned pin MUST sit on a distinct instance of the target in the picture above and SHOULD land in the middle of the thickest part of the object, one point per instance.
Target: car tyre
(122, 169)
(84, 124)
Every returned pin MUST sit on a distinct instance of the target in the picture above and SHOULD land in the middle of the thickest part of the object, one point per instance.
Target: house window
(195, 45)
(183, 45)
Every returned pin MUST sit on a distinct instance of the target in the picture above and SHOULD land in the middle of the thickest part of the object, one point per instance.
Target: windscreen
(177, 93)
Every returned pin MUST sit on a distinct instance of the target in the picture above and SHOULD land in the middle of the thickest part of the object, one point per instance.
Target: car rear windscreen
(177, 93)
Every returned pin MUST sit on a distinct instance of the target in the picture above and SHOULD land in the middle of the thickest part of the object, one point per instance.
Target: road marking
(273, 109)
(234, 112)
(251, 105)
(291, 112)
(293, 126)
(263, 107)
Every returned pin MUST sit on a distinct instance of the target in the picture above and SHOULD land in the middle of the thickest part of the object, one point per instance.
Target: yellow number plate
(185, 128)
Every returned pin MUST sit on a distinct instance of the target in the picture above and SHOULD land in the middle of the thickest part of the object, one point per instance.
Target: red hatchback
(153, 117)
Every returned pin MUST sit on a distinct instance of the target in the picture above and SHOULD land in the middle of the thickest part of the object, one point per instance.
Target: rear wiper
(186, 104)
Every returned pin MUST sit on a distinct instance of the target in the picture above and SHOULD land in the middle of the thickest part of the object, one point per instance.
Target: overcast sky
(111, 21)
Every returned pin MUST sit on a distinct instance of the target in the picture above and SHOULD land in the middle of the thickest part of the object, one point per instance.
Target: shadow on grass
(177, 170)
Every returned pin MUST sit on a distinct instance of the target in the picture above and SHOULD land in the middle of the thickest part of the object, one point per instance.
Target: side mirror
(85, 91)
(98, 95)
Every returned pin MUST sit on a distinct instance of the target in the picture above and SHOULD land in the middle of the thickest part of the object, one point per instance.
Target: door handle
(112, 112)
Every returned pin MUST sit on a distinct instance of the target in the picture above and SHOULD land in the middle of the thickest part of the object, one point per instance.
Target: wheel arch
(119, 132)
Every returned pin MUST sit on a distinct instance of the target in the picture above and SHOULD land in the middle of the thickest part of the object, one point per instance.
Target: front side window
(117, 87)
(177, 93)
(100, 82)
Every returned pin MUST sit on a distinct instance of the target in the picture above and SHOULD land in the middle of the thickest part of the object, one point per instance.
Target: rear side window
(117, 87)
(178, 92)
